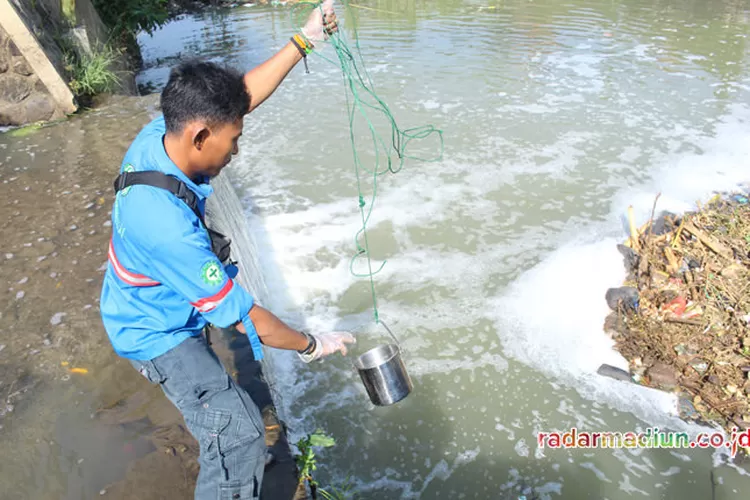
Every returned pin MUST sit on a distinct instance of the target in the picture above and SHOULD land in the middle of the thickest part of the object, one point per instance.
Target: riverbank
(682, 317)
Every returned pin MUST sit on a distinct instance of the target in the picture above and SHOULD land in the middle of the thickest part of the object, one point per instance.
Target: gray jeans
(220, 415)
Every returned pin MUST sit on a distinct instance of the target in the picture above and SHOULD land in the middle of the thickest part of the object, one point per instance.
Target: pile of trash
(682, 317)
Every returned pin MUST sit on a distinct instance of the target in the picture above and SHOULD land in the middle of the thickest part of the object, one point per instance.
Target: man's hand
(320, 25)
(327, 344)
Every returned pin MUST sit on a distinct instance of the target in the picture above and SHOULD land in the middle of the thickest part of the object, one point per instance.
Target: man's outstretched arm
(265, 78)
(262, 80)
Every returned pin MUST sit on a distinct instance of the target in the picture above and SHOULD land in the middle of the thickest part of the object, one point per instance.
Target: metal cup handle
(390, 333)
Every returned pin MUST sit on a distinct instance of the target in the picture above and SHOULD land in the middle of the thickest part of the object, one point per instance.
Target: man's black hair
(203, 90)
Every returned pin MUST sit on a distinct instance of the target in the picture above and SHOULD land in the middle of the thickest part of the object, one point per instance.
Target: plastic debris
(56, 318)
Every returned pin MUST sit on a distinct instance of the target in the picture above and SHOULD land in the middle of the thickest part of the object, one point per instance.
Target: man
(168, 275)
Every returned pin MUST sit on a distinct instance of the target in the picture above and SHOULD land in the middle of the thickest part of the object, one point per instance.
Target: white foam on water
(627, 486)
(441, 471)
(671, 471)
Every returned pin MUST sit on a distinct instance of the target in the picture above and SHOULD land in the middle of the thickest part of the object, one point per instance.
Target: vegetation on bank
(91, 74)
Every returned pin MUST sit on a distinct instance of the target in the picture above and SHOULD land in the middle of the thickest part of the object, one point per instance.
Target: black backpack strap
(220, 244)
(163, 181)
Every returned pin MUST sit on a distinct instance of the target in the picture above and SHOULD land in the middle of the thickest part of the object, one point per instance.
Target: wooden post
(634, 240)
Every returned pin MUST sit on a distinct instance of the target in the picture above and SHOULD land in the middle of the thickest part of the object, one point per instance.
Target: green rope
(361, 99)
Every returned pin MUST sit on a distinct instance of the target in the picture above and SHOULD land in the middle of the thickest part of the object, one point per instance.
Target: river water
(556, 116)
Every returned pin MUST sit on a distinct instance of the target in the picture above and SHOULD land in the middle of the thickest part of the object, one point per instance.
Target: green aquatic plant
(307, 464)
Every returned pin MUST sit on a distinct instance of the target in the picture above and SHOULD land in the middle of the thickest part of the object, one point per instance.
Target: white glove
(320, 26)
(328, 343)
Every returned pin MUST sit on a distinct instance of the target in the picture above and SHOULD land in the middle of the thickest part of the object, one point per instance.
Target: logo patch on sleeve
(127, 168)
(212, 273)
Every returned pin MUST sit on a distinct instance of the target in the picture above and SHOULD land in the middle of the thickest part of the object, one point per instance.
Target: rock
(4, 60)
(614, 372)
(13, 49)
(39, 86)
(662, 375)
(630, 258)
(56, 318)
(38, 107)
(614, 325)
(625, 297)
(21, 67)
(693, 263)
(663, 223)
(14, 88)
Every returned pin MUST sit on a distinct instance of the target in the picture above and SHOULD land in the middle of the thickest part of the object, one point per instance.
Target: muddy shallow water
(76, 421)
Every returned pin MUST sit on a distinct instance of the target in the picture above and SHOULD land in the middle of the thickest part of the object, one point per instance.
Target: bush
(132, 16)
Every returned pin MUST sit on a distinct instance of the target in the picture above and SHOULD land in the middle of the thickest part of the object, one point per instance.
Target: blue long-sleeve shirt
(163, 283)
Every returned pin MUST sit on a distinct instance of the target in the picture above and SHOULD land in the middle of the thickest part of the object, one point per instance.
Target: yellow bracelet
(303, 43)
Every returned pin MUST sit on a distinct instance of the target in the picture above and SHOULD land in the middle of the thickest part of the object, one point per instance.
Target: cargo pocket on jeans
(209, 429)
(219, 433)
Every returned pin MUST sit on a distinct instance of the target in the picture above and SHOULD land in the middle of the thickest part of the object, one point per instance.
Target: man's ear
(200, 135)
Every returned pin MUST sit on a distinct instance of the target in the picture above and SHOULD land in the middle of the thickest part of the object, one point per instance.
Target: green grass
(91, 75)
